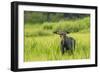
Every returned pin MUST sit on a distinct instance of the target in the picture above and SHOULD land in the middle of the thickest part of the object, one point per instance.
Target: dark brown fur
(67, 43)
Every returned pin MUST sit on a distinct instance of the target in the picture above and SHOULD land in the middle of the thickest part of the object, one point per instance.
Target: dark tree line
(40, 17)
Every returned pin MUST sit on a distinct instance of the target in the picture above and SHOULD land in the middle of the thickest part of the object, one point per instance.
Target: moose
(67, 43)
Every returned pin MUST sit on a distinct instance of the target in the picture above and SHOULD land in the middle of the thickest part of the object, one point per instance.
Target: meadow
(41, 44)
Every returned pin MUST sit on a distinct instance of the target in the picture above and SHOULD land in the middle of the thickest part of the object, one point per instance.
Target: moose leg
(71, 51)
(73, 46)
(62, 49)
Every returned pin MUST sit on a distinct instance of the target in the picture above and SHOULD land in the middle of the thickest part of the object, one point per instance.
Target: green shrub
(73, 26)
(45, 29)
(47, 26)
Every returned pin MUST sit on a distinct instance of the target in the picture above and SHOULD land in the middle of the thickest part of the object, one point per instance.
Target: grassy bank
(41, 44)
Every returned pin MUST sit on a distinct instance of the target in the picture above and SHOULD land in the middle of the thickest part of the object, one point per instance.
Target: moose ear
(67, 32)
(55, 32)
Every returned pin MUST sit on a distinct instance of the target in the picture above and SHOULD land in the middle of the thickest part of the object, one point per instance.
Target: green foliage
(48, 26)
(34, 17)
(69, 25)
(48, 48)
(41, 17)
(41, 44)
(29, 32)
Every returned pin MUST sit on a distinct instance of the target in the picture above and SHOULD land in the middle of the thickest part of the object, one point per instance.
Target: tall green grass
(48, 48)
(41, 44)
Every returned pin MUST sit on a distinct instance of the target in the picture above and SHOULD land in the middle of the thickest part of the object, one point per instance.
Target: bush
(72, 26)
(47, 26)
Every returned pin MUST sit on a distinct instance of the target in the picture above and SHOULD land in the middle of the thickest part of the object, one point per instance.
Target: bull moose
(67, 43)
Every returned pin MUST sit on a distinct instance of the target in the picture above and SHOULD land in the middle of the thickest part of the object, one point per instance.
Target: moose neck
(65, 37)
